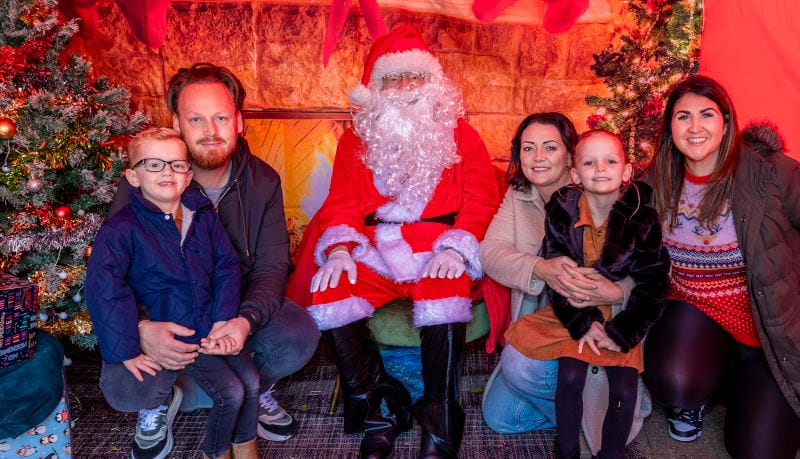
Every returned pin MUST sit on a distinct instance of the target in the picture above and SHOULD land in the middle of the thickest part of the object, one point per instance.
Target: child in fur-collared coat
(606, 224)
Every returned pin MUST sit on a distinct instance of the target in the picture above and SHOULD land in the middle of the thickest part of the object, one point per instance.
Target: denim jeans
(285, 344)
(520, 394)
(280, 348)
(230, 381)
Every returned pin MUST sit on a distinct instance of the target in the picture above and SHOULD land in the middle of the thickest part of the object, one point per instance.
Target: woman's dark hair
(569, 137)
(669, 164)
(204, 72)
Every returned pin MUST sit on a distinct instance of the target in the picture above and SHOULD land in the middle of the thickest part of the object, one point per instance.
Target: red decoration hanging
(488, 10)
(559, 16)
(146, 18)
(339, 11)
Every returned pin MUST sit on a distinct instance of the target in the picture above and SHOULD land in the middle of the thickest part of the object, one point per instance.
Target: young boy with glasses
(166, 256)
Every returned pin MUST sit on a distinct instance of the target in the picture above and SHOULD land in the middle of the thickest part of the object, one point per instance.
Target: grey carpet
(100, 432)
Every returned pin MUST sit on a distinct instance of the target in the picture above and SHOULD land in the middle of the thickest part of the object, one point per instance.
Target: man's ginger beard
(211, 159)
(409, 138)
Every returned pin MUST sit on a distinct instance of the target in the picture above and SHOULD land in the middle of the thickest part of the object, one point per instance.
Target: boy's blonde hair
(156, 133)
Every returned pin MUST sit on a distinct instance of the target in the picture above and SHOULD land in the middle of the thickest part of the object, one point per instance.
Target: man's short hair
(203, 72)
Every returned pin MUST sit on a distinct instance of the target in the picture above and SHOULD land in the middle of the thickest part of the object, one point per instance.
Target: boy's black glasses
(179, 166)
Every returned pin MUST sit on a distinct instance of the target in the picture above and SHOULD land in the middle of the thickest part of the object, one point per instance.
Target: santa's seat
(393, 328)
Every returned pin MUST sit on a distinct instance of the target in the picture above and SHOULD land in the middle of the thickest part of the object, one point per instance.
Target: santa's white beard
(409, 138)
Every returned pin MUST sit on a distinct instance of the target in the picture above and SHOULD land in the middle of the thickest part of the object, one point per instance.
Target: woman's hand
(552, 271)
(586, 287)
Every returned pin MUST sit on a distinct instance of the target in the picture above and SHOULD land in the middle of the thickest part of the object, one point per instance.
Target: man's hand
(226, 338)
(159, 344)
(141, 363)
(330, 273)
(446, 264)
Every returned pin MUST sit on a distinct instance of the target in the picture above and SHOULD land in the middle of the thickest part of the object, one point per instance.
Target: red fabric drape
(751, 47)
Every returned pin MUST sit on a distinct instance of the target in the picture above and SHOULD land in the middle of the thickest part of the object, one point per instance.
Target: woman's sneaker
(153, 439)
(685, 425)
(274, 423)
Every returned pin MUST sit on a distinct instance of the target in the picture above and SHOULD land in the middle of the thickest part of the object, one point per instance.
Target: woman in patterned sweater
(730, 206)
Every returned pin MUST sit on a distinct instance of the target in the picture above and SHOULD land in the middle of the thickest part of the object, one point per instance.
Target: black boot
(389, 408)
(438, 411)
(372, 399)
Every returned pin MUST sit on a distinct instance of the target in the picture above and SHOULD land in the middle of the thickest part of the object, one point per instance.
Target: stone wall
(506, 70)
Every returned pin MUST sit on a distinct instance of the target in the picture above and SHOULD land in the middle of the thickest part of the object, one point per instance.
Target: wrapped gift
(49, 439)
(18, 306)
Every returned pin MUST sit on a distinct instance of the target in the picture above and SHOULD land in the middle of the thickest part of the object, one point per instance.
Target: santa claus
(412, 193)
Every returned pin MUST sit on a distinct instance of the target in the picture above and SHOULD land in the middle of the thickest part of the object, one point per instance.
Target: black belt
(446, 219)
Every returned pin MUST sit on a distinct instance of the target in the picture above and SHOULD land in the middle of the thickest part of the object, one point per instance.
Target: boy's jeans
(230, 381)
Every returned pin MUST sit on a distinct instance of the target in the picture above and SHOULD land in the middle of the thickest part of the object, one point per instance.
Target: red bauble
(7, 128)
(63, 212)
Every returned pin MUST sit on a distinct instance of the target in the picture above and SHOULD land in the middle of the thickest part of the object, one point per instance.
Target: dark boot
(389, 408)
(438, 411)
(373, 401)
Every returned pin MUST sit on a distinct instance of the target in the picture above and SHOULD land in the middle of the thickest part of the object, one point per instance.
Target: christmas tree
(657, 44)
(60, 159)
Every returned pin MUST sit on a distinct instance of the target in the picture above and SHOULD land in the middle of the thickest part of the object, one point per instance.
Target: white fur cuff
(466, 245)
(340, 313)
(442, 311)
(339, 234)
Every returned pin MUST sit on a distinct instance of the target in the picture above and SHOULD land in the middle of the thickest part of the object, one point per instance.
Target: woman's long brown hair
(669, 164)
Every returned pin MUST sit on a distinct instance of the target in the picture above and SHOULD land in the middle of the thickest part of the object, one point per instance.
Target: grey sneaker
(274, 423)
(153, 439)
(685, 425)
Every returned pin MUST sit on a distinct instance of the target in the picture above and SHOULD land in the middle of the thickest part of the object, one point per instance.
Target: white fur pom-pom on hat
(360, 96)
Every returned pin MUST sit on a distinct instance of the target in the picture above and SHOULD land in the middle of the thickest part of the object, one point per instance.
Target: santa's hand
(331, 271)
(446, 264)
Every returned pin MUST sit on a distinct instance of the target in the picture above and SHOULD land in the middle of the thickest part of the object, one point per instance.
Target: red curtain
(753, 48)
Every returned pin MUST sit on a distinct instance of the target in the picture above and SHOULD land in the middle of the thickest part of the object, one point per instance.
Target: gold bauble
(7, 128)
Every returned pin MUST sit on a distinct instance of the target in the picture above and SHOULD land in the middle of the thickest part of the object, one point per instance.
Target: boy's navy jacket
(138, 258)
(632, 248)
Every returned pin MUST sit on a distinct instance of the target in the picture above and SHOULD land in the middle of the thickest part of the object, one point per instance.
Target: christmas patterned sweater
(708, 268)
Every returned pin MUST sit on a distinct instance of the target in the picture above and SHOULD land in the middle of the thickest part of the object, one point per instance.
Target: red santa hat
(403, 50)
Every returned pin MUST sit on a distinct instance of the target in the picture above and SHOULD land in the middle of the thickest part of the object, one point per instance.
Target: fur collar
(763, 137)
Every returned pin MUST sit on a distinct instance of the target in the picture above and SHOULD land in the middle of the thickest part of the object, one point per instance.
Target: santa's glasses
(394, 79)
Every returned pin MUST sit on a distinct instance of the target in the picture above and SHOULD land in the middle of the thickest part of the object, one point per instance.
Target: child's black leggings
(622, 384)
(686, 357)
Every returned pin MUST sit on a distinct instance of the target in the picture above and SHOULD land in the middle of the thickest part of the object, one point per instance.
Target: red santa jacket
(467, 189)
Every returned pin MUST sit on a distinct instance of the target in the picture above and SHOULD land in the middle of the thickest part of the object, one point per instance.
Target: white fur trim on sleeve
(466, 245)
(442, 311)
(335, 235)
(340, 313)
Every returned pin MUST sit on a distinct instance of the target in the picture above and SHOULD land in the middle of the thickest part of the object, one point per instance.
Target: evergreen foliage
(60, 156)
(658, 44)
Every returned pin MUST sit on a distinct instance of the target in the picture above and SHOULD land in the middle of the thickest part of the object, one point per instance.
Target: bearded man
(411, 194)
